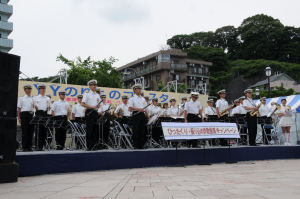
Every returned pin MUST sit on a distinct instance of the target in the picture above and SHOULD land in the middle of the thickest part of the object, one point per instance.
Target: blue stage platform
(38, 163)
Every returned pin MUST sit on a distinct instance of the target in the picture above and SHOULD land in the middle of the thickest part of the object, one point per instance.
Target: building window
(163, 58)
(157, 78)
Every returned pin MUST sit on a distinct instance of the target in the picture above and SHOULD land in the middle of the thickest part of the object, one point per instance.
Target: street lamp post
(257, 93)
(268, 72)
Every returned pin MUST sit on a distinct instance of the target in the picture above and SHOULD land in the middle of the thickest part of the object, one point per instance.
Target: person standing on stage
(25, 114)
(91, 101)
(103, 111)
(122, 110)
(193, 113)
(155, 111)
(285, 121)
(173, 111)
(60, 112)
(137, 104)
(250, 106)
(222, 109)
(42, 104)
(222, 106)
(78, 111)
(181, 105)
(263, 113)
(210, 109)
(147, 99)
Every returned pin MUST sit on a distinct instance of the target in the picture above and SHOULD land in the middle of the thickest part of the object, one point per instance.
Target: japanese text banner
(201, 130)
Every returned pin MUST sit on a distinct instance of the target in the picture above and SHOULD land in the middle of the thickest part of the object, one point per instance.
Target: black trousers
(41, 134)
(266, 137)
(193, 118)
(139, 129)
(27, 130)
(91, 116)
(60, 133)
(252, 128)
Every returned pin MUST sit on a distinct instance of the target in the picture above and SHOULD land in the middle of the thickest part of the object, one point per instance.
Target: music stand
(101, 122)
(38, 121)
(54, 122)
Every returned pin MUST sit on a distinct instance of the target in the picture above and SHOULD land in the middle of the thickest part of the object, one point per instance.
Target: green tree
(260, 37)
(277, 92)
(81, 71)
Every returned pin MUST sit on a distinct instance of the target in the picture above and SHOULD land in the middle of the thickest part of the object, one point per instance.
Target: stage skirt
(285, 121)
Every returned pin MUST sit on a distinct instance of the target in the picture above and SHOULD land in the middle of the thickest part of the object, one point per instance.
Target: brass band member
(78, 111)
(182, 104)
(238, 109)
(60, 111)
(147, 99)
(91, 102)
(285, 122)
(222, 109)
(250, 106)
(222, 105)
(103, 111)
(193, 113)
(263, 113)
(173, 111)
(25, 114)
(137, 104)
(42, 105)
(210, 109)
(155, 111)
(122, 110)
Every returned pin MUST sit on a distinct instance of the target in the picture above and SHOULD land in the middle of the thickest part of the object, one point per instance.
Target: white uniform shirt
(137, 102)
(42, 102)
(103, 108)
(173, 111)
(193, 107)
(249, 103)
(238, 110)
(153, 110)
(210, 111)
(263, 110)
(60, 108)
(78, 110)
(25, 103)
(125, 108)
(91, 98)
(222, 105)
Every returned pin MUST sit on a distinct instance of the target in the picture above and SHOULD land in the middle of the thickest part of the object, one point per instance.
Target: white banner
(201, 130)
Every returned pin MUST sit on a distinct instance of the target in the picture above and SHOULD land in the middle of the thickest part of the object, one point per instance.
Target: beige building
(166, 66)
(278, 80)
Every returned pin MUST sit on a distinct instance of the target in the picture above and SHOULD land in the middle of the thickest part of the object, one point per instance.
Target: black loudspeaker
(9, 79)
(9, 75)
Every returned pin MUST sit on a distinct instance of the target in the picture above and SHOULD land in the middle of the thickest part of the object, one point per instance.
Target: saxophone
(253, 113)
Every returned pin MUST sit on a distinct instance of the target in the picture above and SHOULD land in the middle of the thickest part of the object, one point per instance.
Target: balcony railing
(6, 9)
(197, 74)
(179, 67)
(6, 43)
(6, 26)
(139, 72)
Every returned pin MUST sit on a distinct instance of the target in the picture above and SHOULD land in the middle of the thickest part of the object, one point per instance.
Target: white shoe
(285, 143)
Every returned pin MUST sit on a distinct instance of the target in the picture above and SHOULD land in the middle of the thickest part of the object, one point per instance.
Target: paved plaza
(247, 180)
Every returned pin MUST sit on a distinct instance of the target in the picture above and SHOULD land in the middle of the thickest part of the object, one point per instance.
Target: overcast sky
(124, 29)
